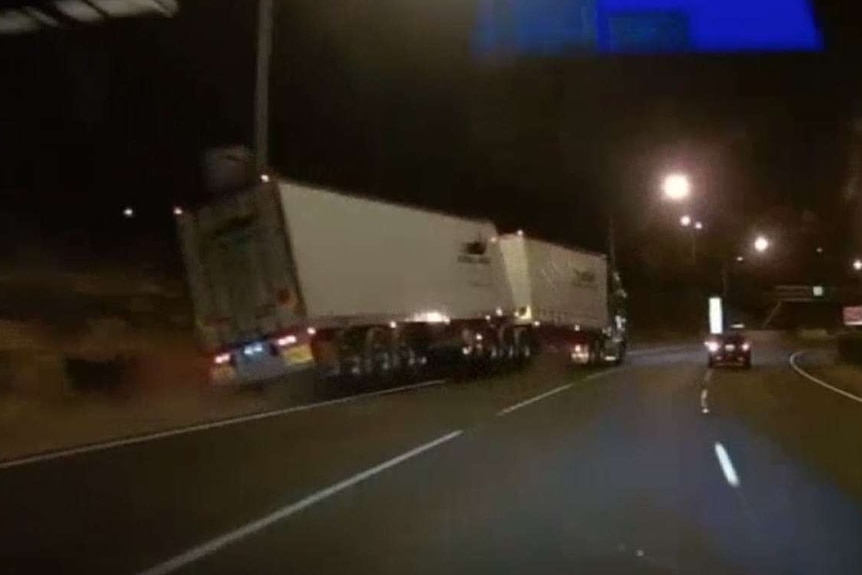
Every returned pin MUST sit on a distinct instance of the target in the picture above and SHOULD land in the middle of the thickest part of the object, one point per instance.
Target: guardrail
(850, 347)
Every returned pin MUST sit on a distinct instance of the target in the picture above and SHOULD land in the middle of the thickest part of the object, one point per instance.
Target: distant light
(819, 250)
(711, 345)
(479, 337)
(493, 239)
(537, 323)
(577, 328)
(393, 324)
(677, 187)
(129, 212)
(818, 291)
(311, 331)
(222, 359)
(487, 318)
(178, 211)
(698, 225)
(499, 311)
(685, 221)
(761, 244)
(740, 259)
(520, 232)
(857, 265)
(264, 178)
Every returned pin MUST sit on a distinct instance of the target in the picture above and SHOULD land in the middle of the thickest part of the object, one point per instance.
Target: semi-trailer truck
(287, 277)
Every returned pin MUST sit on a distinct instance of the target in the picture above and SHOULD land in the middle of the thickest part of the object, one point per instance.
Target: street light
(698, 225)
(676, 187)
(761, 244)
(857, 265)
(685, 221)
(129, 213)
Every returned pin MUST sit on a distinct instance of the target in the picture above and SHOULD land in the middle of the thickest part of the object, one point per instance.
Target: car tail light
(286, 340)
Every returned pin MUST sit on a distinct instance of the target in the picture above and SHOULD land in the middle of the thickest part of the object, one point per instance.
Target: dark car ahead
(729, 349)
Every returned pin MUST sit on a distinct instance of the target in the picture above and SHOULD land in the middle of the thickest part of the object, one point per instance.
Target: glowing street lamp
(685, 221)
(677, 187)
(857, 265)
(698, 226)
(761, 244)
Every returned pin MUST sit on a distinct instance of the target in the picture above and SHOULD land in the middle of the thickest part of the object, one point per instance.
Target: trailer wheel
(508, 350)
(324, 349)
(492, 347)
(524, 347)
(378, 353)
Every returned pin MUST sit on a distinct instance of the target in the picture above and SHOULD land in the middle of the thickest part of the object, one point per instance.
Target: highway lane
(618, 473)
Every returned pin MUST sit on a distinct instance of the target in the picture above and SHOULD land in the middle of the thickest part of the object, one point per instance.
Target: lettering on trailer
(474, 253)
(585, 278)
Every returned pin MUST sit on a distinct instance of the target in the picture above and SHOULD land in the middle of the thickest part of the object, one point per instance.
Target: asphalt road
(545, 471)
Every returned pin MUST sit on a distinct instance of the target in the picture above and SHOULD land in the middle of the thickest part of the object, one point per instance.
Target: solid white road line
(819, 382)
(205, 549)
(556, 390)
(726, 465)
(532, 400)
(64, 453)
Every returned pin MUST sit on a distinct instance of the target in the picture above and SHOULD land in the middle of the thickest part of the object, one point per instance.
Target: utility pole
(612, 244)
(261, 90)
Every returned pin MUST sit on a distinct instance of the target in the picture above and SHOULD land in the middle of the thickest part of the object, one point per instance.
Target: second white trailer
(564, 293)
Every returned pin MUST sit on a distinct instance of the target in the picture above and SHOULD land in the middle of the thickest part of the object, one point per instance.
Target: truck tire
(324, 350)
(597, 354)
(378, 355)
(524, 346)
(621, 354)
(508, 350)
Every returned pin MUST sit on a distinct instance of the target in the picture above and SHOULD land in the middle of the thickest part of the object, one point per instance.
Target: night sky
(390, 98)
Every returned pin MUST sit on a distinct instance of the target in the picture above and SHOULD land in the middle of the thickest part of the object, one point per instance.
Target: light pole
(693, 228)
(261, 86)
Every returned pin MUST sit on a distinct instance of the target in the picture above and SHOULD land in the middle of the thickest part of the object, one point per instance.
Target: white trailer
(563, 293)
(286, 276)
